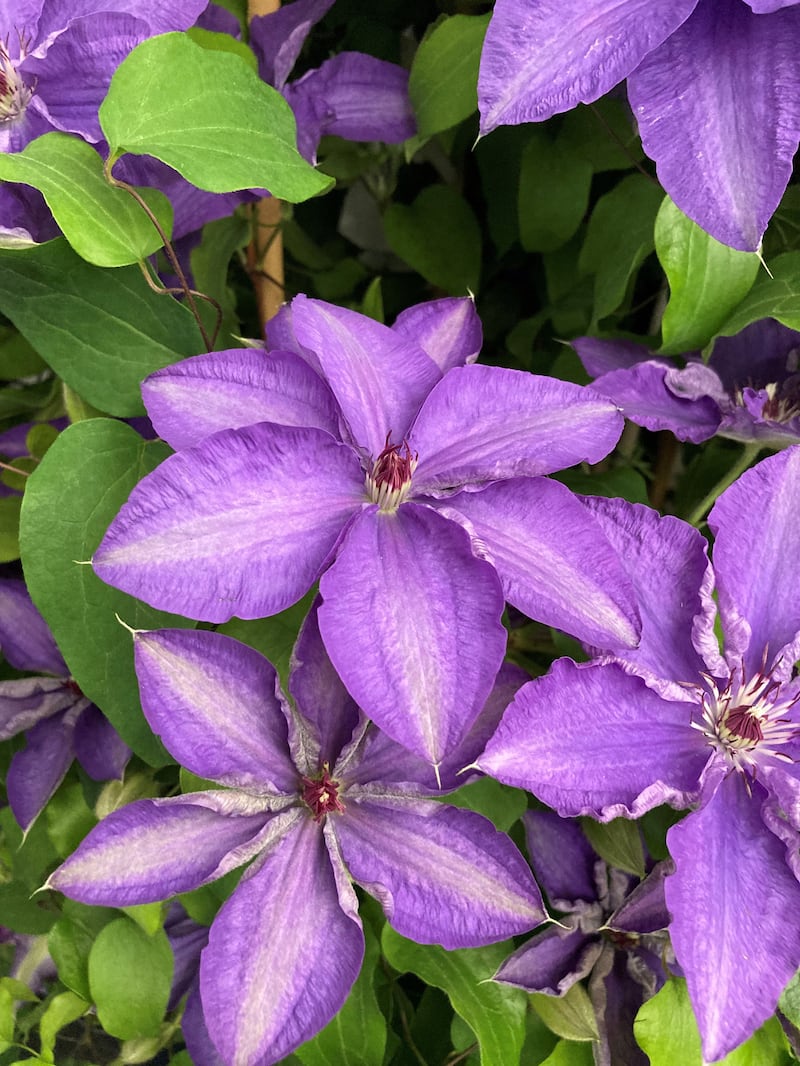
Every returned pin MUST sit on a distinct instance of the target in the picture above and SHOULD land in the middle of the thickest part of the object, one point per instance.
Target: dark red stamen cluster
(743, 723)
(321, 794)
(392, 468)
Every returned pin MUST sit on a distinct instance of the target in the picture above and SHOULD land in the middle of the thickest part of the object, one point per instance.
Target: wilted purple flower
(713, 85)
(675, 722)
(61, 723)
(611, 930)
(749, 391)
(314, 797)
(374, 458)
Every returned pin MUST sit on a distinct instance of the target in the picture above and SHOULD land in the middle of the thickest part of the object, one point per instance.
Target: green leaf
(274, 637)
(223, 129)
(357, 1035)
(70, 942)
(222, 42)
(148, 916)
(501, 804)
(570, 1016)
(443, 85)
(9, 528)
(130, 975)
(17, 358)
(618, 842)
(39, 438)
(618, 238)
(103, 224)
(496, 1013)
(789, 1002)
(210, 262)
(70, 500)
(68, 818)
(770, 297)
(62, 1009)
(665, 1028)
(569, 1053)
(624, 481)
(604, 134)
(101, 331)
(706, 280)
(438, 235)
(553, 192)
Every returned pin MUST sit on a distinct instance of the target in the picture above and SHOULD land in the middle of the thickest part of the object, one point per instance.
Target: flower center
(390, 480)
(321, 794)
(783, 400)
(14, 94)
(746, 720)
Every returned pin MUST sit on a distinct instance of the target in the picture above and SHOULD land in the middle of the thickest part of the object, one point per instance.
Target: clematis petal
(411, 621)
(756, 554)
(238, 525)
(195, 1032)
(731, 899)
(601, 356)
(38, 769)
(541, 57)
(483, 423)
(645, 909)
(277, 38)
(551, 962)
(573, 582)
(562, 858)
(667, 561)
(28, 700)
(321, 699)
(723, 145)
(25, 640)
(648, 394)
(449, 330)
(94, 45)
(595, 740)
(282, 955)
(99, 748)
(226, 390)
(379, 378)
(153, 849)
(22, 13)
(442, 875)
(215, 703)
(160, 18)
(763, 352)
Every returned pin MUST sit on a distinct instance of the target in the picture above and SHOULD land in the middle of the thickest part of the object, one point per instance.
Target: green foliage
(104, 225)
(618, 842)
(70, 941)
(62, 1009)
(570, 1016)
(69, 502)
(776, 296)
(224, 129)
(274, 637)
(101, 331)
(444, 74)
(495, 1013)
(707, 280)
(554, 185)
(501, 804)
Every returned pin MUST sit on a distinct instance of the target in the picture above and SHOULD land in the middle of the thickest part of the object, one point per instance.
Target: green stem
(749, 453)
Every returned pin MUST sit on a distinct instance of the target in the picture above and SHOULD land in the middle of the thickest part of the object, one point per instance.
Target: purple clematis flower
(749, 391)
(313, 798)
(676, 722)
(713, 85)
(61, 723)
(612, 930)
(373, 459)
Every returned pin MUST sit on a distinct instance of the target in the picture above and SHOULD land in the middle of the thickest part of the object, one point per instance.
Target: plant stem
(748, 455)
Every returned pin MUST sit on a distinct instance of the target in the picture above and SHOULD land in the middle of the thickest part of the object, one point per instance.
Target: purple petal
(562, 858)
(732, 899)
(411, 621)
(37, 771)
(763, 352)
(320, 697)
(195, 1032)
(645, 909)
(283, 953)
(235, 388)
(482, 423)
(154, 849)
(28, 700)
(602, 356)
(756, 553)
(99, 748)
(574, 582)
(551, 962)
(215, 704)
(354, 96)
(238, 525)
(25, 640)
(667, 562)
(541, 57)
(442, 875)
(73, 78)
(723, 144)
(160, 18)
(379, 378)
(648, 395)
(277, 38)
(596, 740)
(449, 330)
